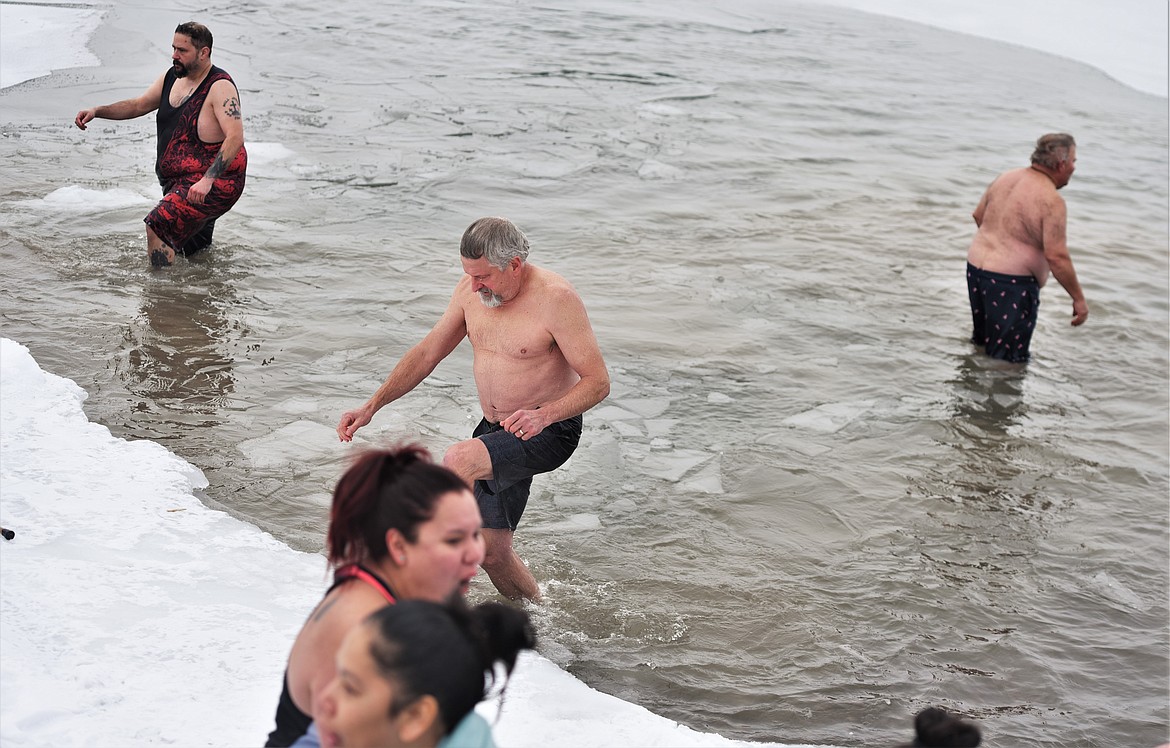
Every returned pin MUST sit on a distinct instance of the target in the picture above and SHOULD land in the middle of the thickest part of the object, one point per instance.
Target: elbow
(603, 387)
(1058, 261)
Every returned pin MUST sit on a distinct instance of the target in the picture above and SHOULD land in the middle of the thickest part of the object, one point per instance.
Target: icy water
(808, 508)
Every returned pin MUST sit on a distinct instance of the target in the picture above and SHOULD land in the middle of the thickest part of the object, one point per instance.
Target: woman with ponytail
(400, 528)
(411, 675)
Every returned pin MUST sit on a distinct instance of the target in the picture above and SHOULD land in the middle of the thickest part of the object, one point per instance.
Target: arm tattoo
(217, 166)
(231, 107)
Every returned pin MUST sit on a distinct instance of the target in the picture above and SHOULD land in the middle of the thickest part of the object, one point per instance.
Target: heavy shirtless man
(1020, 238)
(201, 160)
(537, 368)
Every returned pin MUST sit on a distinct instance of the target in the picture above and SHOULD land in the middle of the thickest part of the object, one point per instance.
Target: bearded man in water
(201, 157)
(1020, 239)
(537, 368)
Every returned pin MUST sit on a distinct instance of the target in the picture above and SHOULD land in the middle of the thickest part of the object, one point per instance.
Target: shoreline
(1128, 44)
(95, 649)
(171, 593)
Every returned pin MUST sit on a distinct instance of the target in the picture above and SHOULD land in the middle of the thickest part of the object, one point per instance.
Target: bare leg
(507, 572)
(470, 461)
(159, 253)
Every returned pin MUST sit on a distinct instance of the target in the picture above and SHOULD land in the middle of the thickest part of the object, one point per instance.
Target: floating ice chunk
(298, 405)
(79, 199)
(1118, 592)
(293, 443)
(622, 506)
(568, 501)
(659, 426)
(808, 448)
(709, 482)
(647, 407)
(672, 466)
(575, 523)
(612, 413)
(651, 169)
(625, 428)
(266, 153)
(787, 440)
(718, 398)
(830, 417)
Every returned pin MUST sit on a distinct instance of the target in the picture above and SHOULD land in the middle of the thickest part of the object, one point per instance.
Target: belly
(506, 384)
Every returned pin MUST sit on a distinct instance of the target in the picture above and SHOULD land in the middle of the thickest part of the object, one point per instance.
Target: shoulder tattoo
(231, 107)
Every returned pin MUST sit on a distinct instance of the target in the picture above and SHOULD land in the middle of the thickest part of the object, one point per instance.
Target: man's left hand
(525, 424)
(198, 191)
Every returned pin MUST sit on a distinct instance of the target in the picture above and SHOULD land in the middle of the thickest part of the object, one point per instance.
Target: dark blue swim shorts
(1003, 312)
(514, 461)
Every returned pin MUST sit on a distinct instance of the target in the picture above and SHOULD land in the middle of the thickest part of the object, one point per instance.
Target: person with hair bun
(400, 528)
(411, 675)
(937, 728)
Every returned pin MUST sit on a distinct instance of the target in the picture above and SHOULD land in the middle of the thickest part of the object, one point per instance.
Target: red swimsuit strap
(357, 571)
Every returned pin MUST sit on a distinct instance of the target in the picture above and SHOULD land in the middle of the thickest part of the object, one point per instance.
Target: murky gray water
(807, 509)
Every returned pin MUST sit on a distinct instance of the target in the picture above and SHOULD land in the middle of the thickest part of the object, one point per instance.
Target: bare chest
(517, 334)
(181, 92)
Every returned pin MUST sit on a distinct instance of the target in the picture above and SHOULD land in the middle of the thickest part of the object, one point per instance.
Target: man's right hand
(83, 118)
(351, 421)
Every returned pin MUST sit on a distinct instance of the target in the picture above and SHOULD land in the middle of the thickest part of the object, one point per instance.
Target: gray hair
(1053, 149)
(497, 239)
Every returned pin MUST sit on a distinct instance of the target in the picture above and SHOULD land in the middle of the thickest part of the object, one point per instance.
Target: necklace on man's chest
(194, 87)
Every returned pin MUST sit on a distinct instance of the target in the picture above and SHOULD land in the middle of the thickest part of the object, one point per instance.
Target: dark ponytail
(395, 488)
(447, 651)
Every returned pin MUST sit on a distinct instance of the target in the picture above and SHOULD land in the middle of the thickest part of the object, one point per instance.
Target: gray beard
(489, 299)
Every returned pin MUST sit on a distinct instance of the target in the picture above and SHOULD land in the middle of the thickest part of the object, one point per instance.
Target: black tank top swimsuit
(291, 722)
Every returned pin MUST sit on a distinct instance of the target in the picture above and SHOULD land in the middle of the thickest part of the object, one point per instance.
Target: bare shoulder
(223, 90)
(1024, 186)
(1011, 179)
(225, 85)
(552, 285)
(345, 607)
(462, 290)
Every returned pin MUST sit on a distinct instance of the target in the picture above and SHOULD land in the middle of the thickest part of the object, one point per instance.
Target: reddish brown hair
(394, 488)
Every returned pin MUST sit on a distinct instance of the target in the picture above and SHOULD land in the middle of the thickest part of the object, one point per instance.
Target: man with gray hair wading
(537, 368)
(1020, 239)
